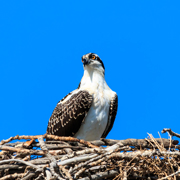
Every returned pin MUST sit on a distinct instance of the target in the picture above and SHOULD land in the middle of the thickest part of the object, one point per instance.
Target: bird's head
(92, 62)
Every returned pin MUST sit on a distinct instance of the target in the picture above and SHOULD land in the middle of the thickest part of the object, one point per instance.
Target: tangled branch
(71, 158)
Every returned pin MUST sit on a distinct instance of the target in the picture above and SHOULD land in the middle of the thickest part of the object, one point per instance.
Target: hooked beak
(85, 61)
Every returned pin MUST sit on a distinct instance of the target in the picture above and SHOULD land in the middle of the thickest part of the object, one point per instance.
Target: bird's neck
(92, 79)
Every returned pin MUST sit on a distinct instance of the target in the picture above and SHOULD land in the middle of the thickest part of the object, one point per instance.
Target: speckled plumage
(69, 114)
(88, 112)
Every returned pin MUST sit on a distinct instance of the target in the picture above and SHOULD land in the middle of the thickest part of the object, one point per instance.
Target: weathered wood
(70, 158)
(47, 136)
(170, 132)
(140, 142)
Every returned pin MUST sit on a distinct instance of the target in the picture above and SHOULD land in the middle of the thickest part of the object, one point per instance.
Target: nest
(71, 158)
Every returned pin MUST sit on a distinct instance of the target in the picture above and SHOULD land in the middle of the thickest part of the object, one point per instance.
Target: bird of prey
(89, 111)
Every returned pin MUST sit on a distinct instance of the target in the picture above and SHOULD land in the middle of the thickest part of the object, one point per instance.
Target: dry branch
(170, 132)
(72, 139)
(61, 158)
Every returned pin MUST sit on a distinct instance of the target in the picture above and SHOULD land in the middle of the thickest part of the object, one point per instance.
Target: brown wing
(112, 115)
(67, 117)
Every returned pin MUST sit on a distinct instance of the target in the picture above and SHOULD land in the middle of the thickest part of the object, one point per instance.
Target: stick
(177, 172)
(139, 142)
(12, 176)
(53, 164)
(47, 136)
(20, 161)
(170, 132)
(101, 175)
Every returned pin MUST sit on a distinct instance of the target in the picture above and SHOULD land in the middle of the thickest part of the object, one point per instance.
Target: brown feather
(67, 117)
(112, 115)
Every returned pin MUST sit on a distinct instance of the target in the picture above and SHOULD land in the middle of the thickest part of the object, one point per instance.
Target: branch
(76, 159)
(177, 172)
(12, 176)
(170, 132)
(22, 151)
(121, 159)
(47, 136)
(139, 142)
(20, 161)
(101, 175)
(53, 164)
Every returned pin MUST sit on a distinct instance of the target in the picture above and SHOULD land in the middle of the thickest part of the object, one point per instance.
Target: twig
(59, 138)
(12, 176)
(76, 159)
(95, 158)
(161, 148)
(139, 142)
(96, 168)
(22, 151)
(20, 161)
(82, 152)
(170, 132)
(11, 166)
(65, 171)
(29, 176)
(121, 159)
(177, 172)
(108, 150)
(76, 175)
(53, 164)
(101, 175)
(125, 175)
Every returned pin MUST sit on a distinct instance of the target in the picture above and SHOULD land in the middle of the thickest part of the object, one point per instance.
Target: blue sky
(41, 45)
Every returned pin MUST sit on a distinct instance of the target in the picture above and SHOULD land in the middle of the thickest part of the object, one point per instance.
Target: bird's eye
(93, 57)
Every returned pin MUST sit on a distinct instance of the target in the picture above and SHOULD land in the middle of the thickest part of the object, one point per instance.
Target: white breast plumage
(96, 120)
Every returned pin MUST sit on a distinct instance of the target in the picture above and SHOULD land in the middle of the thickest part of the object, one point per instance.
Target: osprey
(89, 111)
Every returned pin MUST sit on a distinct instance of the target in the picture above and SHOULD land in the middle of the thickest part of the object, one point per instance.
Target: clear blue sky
(41, 44)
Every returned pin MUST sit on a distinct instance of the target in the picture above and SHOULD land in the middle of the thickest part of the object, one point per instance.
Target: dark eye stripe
(90, 56)
(97, 58)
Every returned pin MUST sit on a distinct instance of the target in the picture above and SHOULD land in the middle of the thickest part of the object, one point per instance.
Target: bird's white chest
(97, 117)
